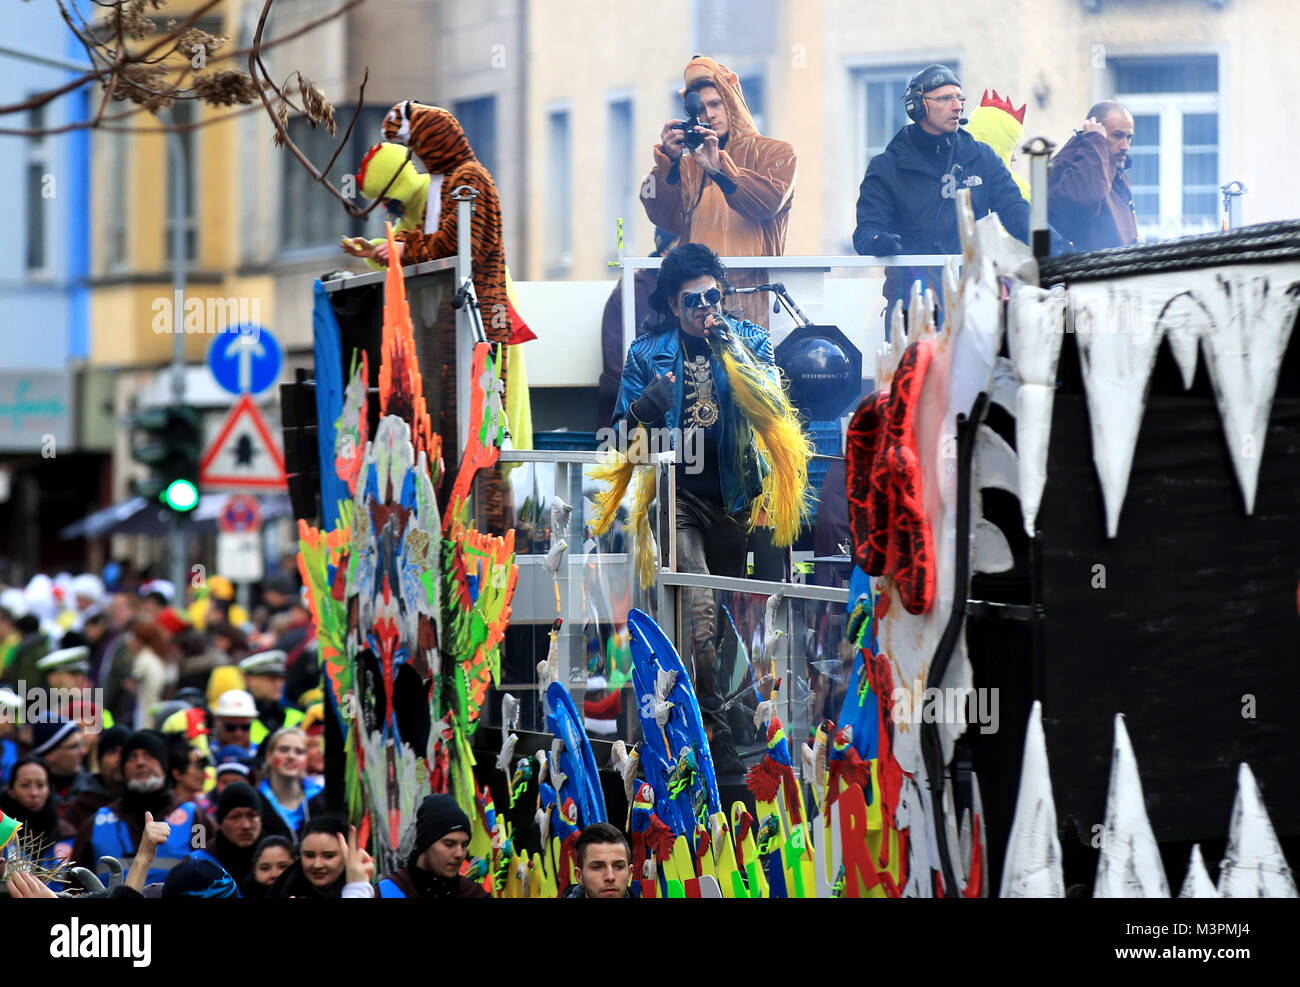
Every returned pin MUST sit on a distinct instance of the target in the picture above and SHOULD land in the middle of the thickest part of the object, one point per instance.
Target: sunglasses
(237, 727)
(701, 299)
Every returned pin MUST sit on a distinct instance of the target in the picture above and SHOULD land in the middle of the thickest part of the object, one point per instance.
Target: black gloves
(886, 244)
(654, 402)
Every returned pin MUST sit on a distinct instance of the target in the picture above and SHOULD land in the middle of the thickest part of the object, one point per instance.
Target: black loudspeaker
(301, 452)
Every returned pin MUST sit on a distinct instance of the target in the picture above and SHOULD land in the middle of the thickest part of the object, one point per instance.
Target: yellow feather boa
(785, 501)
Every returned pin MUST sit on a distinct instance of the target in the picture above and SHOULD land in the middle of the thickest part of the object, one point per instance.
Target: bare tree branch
(107, 49)
(258, 71)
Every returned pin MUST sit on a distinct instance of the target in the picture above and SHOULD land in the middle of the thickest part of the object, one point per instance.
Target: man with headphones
(907, 200)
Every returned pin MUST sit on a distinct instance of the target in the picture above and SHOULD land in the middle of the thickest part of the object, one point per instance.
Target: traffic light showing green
(167, 440)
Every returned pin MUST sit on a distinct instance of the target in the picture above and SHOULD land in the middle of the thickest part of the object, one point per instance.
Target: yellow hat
(221, 587)
(311, 697)
(222, 680)
(315, 716)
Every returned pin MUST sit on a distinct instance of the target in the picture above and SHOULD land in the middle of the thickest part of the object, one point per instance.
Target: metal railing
(800, 645)
(861, 331)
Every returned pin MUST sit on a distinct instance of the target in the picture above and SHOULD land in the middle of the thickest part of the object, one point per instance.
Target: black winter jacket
(906, 204)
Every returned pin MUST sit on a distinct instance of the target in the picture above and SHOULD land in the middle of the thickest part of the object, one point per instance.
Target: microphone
(963, 121)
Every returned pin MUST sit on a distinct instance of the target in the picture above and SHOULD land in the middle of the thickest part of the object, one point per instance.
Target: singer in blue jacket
(674, 383)
(907, 200)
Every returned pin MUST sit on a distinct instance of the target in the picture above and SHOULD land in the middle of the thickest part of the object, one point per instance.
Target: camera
(694, 106)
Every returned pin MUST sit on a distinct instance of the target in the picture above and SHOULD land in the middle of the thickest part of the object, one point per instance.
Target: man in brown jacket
(733, 192)
(1089, 200)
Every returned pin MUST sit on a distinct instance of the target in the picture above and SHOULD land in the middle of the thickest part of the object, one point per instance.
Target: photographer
(719, 182)
(907, 201)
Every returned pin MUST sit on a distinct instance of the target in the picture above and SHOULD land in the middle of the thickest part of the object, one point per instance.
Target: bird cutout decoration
(509, 712)
(560, 515)
(661, 707)
(558, 776)
(508, 742)
(772, 633)
(519, 780)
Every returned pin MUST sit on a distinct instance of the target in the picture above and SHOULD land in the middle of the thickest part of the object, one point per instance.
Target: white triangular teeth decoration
(1183, 320)
(1035, 329)
(1243, 356)
(991, 553)
(1033, 433)
(1243, 320)
(1033, 863)
(1129, 865)
(996, 465)
(1116, 368)
(1253, 864)
(1197, 884)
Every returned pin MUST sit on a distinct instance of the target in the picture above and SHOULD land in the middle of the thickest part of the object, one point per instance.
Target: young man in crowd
(441, 844)
(605, 862)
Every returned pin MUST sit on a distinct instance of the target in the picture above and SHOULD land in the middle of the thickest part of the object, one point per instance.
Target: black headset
(914, 97)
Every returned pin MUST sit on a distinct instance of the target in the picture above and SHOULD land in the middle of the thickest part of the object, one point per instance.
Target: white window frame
(193, 159)
(624, 202)
(117, 208)
(1169, 108)
(558, 259)
(39, 153)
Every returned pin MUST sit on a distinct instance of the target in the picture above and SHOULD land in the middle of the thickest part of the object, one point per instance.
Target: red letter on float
(859, 873)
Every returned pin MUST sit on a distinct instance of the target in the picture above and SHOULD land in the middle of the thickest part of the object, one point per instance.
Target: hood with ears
(739, 120)
(436, 135)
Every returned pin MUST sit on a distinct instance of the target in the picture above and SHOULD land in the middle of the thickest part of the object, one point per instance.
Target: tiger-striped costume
(440, 142)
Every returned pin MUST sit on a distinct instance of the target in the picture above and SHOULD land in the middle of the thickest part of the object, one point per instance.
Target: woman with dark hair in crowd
(321, 869)
(272, 856)
(30, 799)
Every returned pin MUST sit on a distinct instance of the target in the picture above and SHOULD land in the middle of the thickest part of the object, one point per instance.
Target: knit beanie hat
(150, 740)
(438, 815)
(113, 738)
(199, 877)
(49, 735)
(237, 795)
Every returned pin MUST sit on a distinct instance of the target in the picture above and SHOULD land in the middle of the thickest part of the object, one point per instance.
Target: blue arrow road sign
(245, 359)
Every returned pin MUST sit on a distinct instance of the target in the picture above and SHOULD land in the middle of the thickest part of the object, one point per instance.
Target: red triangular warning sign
(244, 454)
